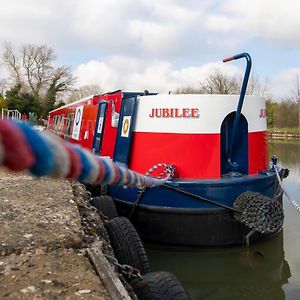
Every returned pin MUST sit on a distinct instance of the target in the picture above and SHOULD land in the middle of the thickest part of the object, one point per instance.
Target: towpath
(46, 228)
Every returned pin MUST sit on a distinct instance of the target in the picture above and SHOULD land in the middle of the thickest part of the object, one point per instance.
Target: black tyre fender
(159, 285)
(95, 190)
(106, 205)
(127, 245)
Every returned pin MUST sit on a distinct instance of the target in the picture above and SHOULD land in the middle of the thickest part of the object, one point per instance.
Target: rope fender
(44, 154)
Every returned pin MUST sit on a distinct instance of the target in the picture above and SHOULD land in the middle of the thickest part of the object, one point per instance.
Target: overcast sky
(160, 45)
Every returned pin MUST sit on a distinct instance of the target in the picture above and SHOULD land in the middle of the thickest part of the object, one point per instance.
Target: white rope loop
(293, 202)
(169, 171)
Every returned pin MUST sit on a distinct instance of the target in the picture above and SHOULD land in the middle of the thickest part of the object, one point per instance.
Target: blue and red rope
(44, 154)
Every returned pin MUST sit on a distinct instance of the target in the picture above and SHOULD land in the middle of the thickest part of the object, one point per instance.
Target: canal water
(266, 270)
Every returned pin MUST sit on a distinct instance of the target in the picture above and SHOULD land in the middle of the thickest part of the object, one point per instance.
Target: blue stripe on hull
(223, 191)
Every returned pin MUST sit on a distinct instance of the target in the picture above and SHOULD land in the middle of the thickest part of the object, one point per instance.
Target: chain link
(126, 270)
(103, 191)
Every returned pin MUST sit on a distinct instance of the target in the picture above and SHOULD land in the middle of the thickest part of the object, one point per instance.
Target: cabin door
(99, 129)
(239, 146)
(125, 131)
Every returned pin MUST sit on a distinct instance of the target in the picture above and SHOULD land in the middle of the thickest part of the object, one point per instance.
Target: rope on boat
(293, 202)
(195, 196)
(169, 170)
(44, 154)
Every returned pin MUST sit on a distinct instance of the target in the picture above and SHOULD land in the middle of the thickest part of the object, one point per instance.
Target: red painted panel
(88, 121)
(194, 155)
(257, 151)
(88, 124)
(110, 133)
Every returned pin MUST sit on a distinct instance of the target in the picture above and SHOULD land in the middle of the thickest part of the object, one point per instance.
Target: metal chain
(140, 194)
(103, 191)
(125, 269)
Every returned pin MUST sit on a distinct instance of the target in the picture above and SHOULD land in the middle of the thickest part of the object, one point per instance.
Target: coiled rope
(168, 171)
(45, 154)
(293, 202)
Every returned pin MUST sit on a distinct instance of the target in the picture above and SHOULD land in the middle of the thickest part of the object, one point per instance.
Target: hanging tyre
(127, 245)
(106, 205)
(95, 190)
(159, 286)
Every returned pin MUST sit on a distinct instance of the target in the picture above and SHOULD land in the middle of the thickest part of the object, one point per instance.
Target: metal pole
(240, 104)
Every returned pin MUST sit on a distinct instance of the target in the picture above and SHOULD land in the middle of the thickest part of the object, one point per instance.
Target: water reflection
(289, 156)
(258, 272)
(288, 153)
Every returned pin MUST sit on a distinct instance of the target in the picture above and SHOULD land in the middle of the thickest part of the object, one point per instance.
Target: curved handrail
(233, 165)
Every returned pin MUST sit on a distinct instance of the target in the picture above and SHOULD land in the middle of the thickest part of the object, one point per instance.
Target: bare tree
(84, 91)
(286, 114)
(188, 90)
(3, 86)
(219, 83)
(256, 86)
(13, 64)
(216, 82)
(62, 78)
(295, 95)
(295, 91)
(264, 86)
(37, 67)
(35, 72)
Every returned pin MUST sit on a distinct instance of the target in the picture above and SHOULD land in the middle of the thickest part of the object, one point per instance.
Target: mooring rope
(44, 154)
(293, 202)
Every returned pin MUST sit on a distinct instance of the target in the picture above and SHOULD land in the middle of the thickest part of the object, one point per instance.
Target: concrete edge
(107, 273)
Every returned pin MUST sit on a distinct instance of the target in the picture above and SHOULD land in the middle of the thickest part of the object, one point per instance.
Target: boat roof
(75, 102)
(90, 97)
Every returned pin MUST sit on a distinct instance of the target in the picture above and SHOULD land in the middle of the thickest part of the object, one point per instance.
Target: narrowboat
(223, 189)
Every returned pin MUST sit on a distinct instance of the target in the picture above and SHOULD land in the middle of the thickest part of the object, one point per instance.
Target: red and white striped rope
(44, 154)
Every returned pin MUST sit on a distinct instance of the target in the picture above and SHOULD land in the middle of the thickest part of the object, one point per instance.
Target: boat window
(60, 123)
(69, 124)
(54, 123)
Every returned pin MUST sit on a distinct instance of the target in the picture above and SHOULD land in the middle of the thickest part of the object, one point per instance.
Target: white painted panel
(199, 113)
(77, 122)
